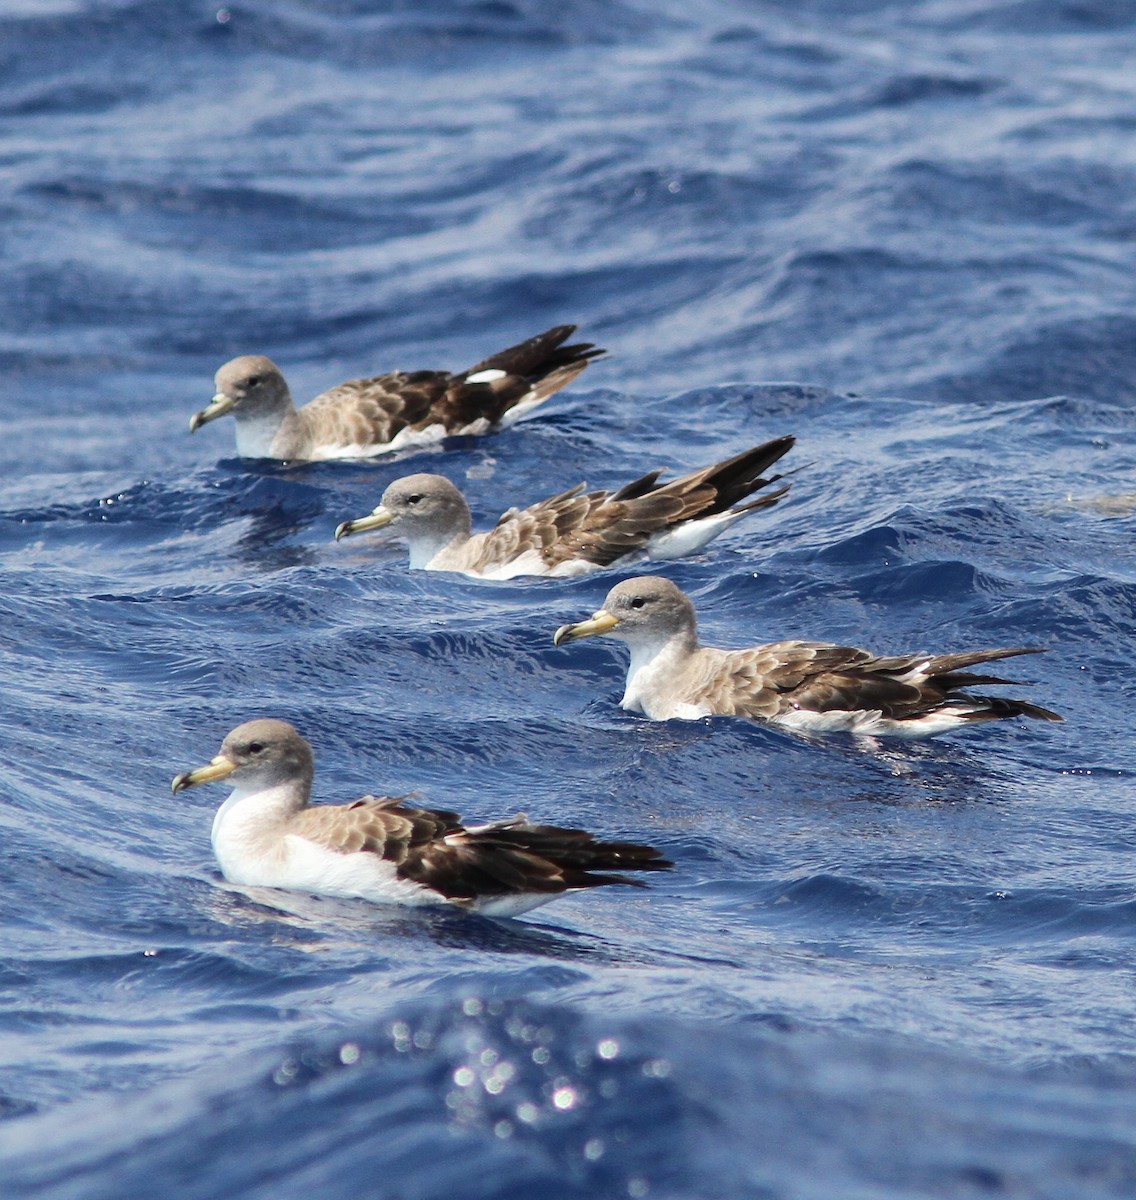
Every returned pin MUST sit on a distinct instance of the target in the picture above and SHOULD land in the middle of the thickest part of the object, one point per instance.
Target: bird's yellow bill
(219, 768)
(377, 520)
(597, 623)
(218, 407)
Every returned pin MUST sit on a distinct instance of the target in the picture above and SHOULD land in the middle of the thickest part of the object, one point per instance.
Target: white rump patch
(473, 429)
(690, 536)
(522, 408)
(514, 905)
(871, 722)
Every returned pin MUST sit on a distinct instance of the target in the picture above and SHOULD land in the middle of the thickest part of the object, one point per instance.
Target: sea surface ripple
(905, 233)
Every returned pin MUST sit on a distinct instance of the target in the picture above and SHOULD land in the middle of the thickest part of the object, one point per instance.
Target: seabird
(576, 531)
(814, 686)
(364, 417)
(380, 849)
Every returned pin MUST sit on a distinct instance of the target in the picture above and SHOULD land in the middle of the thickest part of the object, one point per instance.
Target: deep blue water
(874, 973)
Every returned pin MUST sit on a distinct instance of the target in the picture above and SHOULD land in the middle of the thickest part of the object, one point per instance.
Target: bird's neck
(257, 428)
(655, 661)
(436, 547)
(252, 820)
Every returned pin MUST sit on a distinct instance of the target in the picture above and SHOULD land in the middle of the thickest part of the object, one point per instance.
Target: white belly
(300, 865)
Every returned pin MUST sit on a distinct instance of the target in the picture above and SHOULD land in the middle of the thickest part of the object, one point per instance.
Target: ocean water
(905, 233)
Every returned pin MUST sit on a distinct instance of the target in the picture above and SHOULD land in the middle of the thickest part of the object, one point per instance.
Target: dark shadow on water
(264, 545)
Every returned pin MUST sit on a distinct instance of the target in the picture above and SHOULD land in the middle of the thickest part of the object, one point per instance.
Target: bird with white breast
(268, 834)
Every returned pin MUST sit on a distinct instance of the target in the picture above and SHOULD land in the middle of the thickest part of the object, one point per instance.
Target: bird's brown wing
(764, 681)
(463, 863)
(384, 826)
(820, 677)
(575, 525)
(371, 412)
(601, 527)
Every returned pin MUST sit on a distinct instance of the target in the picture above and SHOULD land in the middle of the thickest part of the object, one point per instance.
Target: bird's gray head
(648, 608)
(425, 501)
(249, 386)
(428, 508)
(257, 754)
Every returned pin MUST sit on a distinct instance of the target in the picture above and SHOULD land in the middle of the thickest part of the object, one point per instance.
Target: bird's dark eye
(256, 747)
(413, 499)
(254, 381)
(638, 602)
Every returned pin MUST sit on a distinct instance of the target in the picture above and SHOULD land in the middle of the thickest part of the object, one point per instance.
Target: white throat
(434, 551)
(654, 662)
(247, 827)
(256, 432)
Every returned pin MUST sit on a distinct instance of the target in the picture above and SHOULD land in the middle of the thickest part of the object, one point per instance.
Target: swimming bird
(801, 685)
(267, 834)
(576, 531)
(364, 417)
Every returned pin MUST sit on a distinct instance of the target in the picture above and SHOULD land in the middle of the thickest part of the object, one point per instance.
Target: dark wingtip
(1002, 707)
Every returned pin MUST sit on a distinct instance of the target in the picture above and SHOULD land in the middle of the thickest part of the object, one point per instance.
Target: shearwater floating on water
(813, 686)
(576, 531)
(401, 409)
(267, 834)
